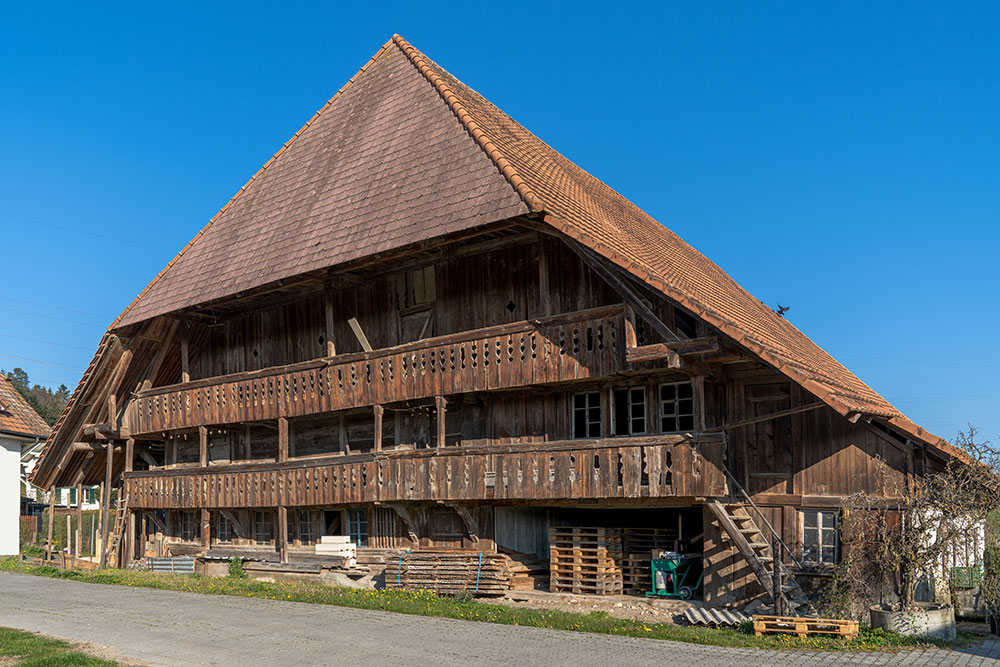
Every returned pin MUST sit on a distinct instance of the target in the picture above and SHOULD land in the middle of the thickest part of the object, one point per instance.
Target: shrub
(236, 570)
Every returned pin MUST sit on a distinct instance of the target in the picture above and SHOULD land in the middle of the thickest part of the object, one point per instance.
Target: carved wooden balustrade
(572, 346)
(636, 467)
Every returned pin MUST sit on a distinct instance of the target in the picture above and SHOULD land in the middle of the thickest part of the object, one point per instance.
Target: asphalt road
(172, 628)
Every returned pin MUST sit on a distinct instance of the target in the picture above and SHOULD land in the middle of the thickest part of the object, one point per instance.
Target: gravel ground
(173, 628)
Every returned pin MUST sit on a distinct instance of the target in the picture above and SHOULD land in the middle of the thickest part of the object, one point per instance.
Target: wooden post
(698, 403)
(79, 519)
(345, 447)
(379, 410)
(283, 533)
(106, 502)
(52, 515)
(544, 300)
(440, 405)
(282, 439)
(206, 529)
(776, 582)
(69, 532)
(630, 336)
(130, 539)
(203, 446)
(185, 369)
(129, 454)
(331, 347)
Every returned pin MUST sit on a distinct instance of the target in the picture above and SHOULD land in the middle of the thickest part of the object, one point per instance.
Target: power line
(50, 317)
(47, 342)
(40, 361)
(83, 231)
(46, 305)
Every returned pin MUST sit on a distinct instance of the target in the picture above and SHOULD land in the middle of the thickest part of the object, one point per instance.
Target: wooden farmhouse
(421, 328)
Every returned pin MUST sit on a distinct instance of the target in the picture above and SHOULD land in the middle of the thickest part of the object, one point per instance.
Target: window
(223, 529)
(819, 537)
(188, 526)
(357, 521)
(587, 415)
(628, 411)
(305, 526)
(92, 495)
(676, 407)
(262, 526)
(415, 295)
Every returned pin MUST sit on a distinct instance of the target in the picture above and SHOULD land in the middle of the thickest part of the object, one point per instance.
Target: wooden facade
(406, 394)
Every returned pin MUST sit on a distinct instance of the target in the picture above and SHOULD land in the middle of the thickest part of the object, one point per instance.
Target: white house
(20, 428)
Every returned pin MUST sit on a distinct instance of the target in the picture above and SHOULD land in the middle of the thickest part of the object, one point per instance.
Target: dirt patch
(102, 652)
(620, 606)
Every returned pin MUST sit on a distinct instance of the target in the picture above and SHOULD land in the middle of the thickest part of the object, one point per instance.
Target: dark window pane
(667, 392)
(579, 424)
(810, 536)
(685, 423)
(580, 401)
(829, 520)
(685, 390)
(829, 555)
(810, 553)
(595, 430)
(685, 406)
(620, 399)
(829, 539)
(809, 519)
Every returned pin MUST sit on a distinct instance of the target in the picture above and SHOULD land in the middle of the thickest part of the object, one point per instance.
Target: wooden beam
(283, 533)
(471, 525)
(440, 409)
(379, 410)
(206, 529)
(630, 335)
(161, 354)
(282, 439)
(623, 290)
(129, 454)
(238, 526)
(203, 446)
(148, 458)
(544, 295)
(411, 525)
(105, 502)
(52, 518)
(767, 417)
(331, 347)
(160, 526)
(185, 368)
(79, 519)
(672, 351)
(345, 446)
(91, 447)
(360, 334)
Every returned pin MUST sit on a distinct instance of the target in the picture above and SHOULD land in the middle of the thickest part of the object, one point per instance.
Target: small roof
(17, 417)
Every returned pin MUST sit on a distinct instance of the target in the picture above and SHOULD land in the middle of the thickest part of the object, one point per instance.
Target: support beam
(360, 334)
(440, 409)
(79, 519)
(161, 354)
(160, 526)
(764, 418)
(345, 447)
(379, 410)
(203, 446)
(148, 458)
(52, 520)
(411, 526)
(282, 439)
(185, 369)
(471, 525)
(544, 295)
(672, 352)
(206, 529)
(129, 454)
(631, 340)
(331, 346)
(105, 502)
(283, 533)
(238, 527)
(624, 291)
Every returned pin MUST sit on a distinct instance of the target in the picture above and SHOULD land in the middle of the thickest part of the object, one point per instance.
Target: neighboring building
(20, 428)
(64, 496)
(420, 326)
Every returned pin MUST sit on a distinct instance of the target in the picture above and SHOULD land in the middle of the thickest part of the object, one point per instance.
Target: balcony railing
(572, 346)
(637, 467)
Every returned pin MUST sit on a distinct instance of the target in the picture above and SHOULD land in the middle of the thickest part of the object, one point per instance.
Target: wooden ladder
(755, 547)
(121, 515)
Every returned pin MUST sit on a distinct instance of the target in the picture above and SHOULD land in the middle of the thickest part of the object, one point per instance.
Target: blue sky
(841, 159)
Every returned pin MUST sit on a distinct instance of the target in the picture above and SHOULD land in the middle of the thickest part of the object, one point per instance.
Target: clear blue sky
(843, 161)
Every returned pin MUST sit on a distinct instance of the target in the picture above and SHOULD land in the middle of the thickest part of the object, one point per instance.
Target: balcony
(573, 346)
(614, 468)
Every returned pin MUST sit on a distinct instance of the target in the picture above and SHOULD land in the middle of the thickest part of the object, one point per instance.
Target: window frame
(589, 423)
(356, 518)
(677, 414)
(188, 527)
(263, 518)
(223, 526)
(820, 529)
(631, 403)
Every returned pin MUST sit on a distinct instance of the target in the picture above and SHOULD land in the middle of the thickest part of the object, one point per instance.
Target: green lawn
(33, 650)
(426, 603)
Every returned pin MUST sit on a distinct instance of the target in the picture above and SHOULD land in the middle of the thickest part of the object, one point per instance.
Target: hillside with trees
(47, 403)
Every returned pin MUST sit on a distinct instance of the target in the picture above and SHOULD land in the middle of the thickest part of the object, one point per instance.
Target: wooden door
(769, 443)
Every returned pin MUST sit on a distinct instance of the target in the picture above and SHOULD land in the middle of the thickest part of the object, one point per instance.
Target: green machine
(676, 575)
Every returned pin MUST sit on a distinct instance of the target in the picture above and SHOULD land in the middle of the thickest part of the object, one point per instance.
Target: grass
(426, 603)
(31, 650)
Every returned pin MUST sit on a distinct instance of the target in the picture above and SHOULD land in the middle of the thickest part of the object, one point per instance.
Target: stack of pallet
(450, 572)
(640, 545)
(528, 572)
(637, 574)
(585, 560)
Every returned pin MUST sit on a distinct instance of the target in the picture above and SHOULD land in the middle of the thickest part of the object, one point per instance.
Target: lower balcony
(621, 468)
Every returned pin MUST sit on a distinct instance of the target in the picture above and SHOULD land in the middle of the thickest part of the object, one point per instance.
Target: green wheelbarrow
(676, 576)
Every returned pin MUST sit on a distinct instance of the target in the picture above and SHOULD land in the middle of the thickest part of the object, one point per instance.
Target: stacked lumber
(585, 560)
(528, 572)
(450, 572)
(637, 574)
(338, 546)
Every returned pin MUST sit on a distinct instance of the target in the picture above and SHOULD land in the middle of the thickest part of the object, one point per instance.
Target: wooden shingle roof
(17, 417)
(405, 152)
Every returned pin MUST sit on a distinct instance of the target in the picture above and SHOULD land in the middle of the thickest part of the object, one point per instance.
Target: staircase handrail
(773, 533)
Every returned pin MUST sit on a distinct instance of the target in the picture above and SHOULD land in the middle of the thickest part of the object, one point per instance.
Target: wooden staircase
(113, 551)
(755, 545)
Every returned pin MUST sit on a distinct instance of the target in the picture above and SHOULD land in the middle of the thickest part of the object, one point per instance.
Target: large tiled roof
(16, 415)
(406, 152)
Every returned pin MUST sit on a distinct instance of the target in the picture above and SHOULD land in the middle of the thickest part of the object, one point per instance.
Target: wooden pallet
(646, 540)
(585, 560)
(637, 574)
(803, 627)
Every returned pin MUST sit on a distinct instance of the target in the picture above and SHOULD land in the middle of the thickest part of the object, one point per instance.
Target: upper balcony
(572, 346)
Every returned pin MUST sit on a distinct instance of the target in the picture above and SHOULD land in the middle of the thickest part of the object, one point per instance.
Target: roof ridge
(247, 184)
(520, 186)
